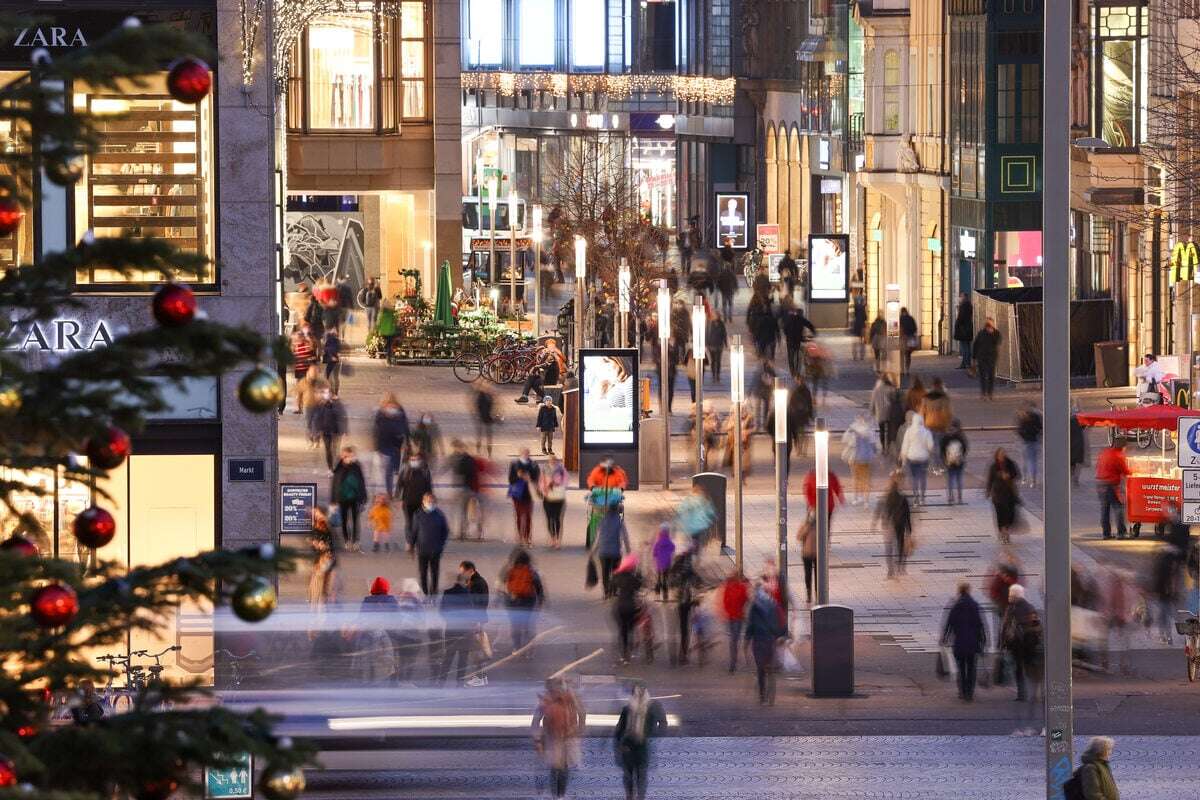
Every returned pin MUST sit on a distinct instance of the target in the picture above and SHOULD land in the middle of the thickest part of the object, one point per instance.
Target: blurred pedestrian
(834, 495)
(877, 335)
(1117, 605)
(694, 516)
(985, 349)
(762, 389)
(370, 297)
(895, 422)
(523, 474)
(859, 449)
(954, 456)
(910, 339)
(523, 595)
(1000, 487)
(626, 584)
(612, 542)
(327, 424)
(558, 722)
(966, 635)
(1079, 447)
(331, 357)
(303, 356)
(431, 531)
(552, 486)
(380, 517)
(915, 451)
(309, 390)
(466, 471)
(964, 328)
(914, 398)
(858, 328)
(937, 412)
(715, 340)
(374, 660)
(349, 491)
(641, 718)
(413, 483)
(764, 629)
(547, 424)
(485, 416)
(1164, 586)
(1021, 635)
(880, 407)
(1093, 780)
(459, 630)
(1003, 576)
(730, 433)
(800, 412)
(664, 553)
(806, 535)
(727, 286)
(685, 585)
(795, 325)
(895, 511)
(426, 439)
(735, 593)
(1029, 431)
(390, 434)
(1111, 471)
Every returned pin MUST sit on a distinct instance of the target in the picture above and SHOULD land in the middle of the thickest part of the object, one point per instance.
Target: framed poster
(296, 502)
(608, 402)
(773, 262)
(829, 267)
(733, 220)
(768, 238)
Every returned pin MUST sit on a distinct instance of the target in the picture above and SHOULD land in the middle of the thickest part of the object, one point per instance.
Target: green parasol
(441, 307)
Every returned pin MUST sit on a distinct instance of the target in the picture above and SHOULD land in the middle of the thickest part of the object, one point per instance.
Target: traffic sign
(1190, 513)
(1188, 441)
(1191, 484)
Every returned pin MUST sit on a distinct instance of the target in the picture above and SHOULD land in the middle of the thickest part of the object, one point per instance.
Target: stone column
(447, 138)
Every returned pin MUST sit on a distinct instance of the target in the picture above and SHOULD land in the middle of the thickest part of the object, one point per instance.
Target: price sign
(232, 782)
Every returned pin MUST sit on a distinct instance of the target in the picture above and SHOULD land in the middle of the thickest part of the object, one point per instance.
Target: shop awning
(1156, 417)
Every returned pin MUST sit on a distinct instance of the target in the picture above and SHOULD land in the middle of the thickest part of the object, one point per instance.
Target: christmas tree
(70, 417)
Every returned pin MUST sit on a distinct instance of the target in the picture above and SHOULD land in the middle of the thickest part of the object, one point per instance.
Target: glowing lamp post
(623, 282)
(737, 394)
(781, 469)
(513, 206)
(699, 324)
(821, 448)
(580, 291)
(537, 271)
(664, 338)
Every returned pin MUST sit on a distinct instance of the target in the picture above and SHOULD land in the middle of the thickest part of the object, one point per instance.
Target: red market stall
(1155, 480)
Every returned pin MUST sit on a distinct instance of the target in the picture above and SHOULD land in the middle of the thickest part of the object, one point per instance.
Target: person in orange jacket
(1111, 470)
(607, 475)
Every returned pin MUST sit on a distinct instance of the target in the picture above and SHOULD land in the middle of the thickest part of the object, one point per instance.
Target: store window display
(341, 71)
(17, 247)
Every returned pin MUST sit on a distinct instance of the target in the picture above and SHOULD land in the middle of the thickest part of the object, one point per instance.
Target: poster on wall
(324, 247)
(609, 402)
(773, 262)
(733, 220)
(829, 267)
(768, 238)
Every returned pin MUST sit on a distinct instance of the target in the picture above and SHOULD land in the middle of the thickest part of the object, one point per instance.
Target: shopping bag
(592, 577)
(788, 662)
(947, 667)
(484, 643)
(939, 667)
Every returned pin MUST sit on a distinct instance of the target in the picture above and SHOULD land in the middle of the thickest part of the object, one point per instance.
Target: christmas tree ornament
(282, 783)
(8, 773)
(11, 214)
(260, 390)
(94, 527)
(54, 605)
(65, 171)
(254, 600)
(109, 449)
(19, 545)
(174, 305)
(159, 789)
(189, 80)
(10, 400)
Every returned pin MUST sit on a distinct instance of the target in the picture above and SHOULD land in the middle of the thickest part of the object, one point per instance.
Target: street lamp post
(737, 394)
(664, 338)
(781, 491)
(623, 281)
(493, 187)
(580, 292)
(699, 323)
(537, 271)
(821, 447)
(512, 257)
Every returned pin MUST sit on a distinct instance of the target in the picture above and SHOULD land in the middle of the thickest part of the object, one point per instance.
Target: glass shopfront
(17, 247)
(653, 167)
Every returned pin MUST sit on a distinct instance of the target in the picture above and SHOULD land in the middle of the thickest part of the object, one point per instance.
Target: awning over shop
(1156, 417)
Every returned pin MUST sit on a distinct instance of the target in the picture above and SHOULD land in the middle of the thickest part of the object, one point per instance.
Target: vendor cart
(1155, 479)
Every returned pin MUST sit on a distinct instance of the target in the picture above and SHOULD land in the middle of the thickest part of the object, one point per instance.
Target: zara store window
(361, 71)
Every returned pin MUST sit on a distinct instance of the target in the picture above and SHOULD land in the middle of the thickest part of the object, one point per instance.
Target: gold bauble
(260, 390)
(281, 783)
(10, 400)
(254, 600)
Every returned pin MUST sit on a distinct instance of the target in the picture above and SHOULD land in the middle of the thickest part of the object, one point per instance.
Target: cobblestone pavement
(795, 768)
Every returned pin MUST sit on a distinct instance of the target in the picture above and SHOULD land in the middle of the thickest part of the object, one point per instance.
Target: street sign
(1190, 513)
(247, 469)
(233, 782)
(297, 501)
(1191, 484)
(1188, 441)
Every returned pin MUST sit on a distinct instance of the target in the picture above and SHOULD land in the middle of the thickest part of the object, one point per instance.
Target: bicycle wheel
(504, 371)
(467, 367)
(1144, 438)
(497, 369)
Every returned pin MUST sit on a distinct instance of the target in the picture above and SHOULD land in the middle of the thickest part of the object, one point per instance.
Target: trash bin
(713, 486)
(1112, 363)
(832, 651)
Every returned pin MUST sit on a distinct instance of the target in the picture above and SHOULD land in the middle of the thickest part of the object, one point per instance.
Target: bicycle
(234, 663)
(1189, 629)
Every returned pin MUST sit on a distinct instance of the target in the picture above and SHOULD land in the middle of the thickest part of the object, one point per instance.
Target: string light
(291, 17)
(687, 88)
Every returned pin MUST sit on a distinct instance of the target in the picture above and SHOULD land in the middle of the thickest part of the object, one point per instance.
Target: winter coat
(716, 336)
(986, 347)
(633, 747)
(859, 443)
(1029, 426)
(559, 748)
(964, 628)
(878, 334)
(1079, 448)
(917, 446)
(327, 419)
(896, 509)
(908, 328)
(935, 408)
(414, 483)
(432, 531)
(390, 431)
(627, 587)
(612, 539)
(530, 468)
(763, 625)
(1096, 776)
(964, 322)
(881, 397)
(664, 551)
(955, 435)
(547, 418)
(735, 593)
(349, 484)
(1111, 466)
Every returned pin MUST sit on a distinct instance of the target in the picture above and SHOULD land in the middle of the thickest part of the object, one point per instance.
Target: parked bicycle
(237, 666)
(138, 678)
(1189, 629)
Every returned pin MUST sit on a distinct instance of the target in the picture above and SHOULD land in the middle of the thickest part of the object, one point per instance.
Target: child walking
(547, 423)
(380, 516)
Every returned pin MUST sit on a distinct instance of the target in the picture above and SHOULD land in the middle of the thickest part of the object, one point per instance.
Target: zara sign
(60, 336)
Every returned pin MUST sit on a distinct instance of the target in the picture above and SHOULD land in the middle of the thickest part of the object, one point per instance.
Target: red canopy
(1158, 417)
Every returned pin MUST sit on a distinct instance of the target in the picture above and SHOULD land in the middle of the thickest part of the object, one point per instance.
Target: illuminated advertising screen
(829, 267)
(609, 398)
(733, 220)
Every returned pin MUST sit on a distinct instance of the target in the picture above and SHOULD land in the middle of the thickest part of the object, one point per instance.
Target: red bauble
(109, 449)
(189, 80)
(54, 605)
(94, 527)
(20, 545)
(157, 790)
(8, 773)
(11, 214)
(326, 295)
(174, 305)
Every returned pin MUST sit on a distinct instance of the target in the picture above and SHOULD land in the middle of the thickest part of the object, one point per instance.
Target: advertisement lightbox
(608, 404)
(733, 220)
(829, 267)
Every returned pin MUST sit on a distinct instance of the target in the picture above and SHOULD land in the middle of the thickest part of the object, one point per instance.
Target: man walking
(964, 328)
(1111, 470)
(1029, 429)
(985, 349)
(415, 482)
(432, 531)
(966, 635)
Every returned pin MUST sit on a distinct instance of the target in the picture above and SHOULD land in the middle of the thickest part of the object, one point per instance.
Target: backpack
(1028, 633)
(1073, 788)
(954, 453)
(520, 583)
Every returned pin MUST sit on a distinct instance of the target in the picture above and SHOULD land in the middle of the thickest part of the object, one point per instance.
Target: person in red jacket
(835, 493)
(1111, 469)
(735, 593)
